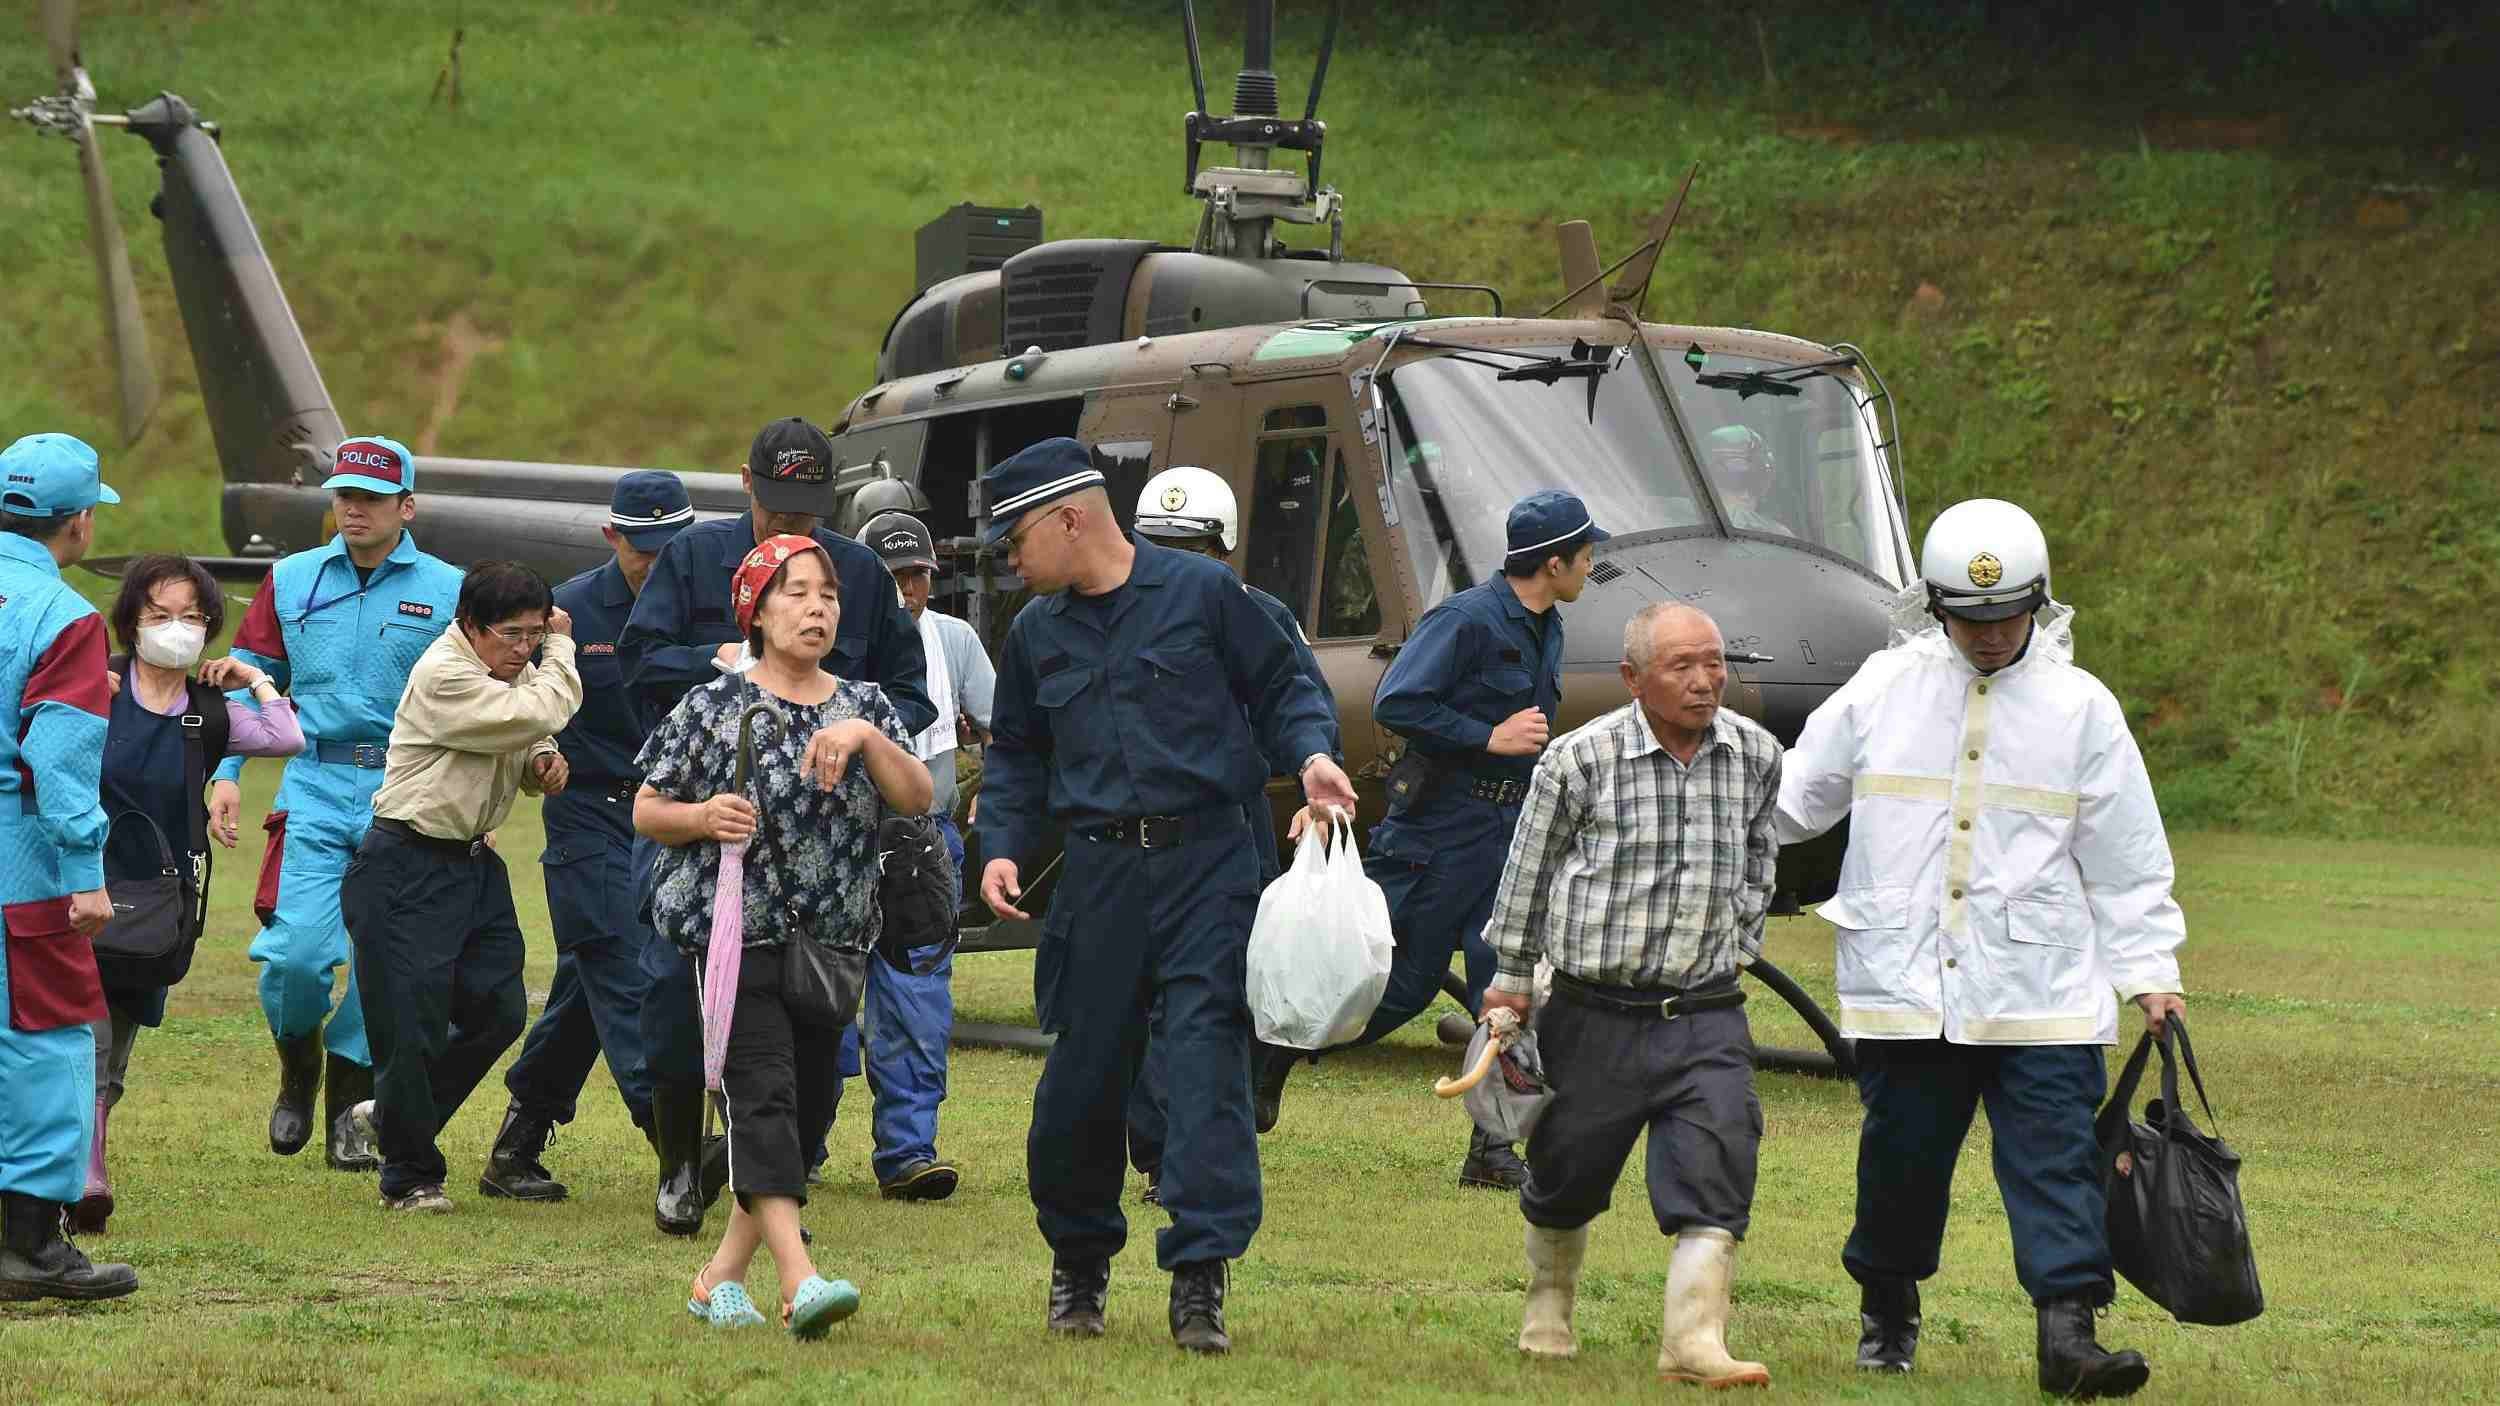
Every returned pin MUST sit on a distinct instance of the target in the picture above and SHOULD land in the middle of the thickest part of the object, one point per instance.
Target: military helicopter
(1373, 438)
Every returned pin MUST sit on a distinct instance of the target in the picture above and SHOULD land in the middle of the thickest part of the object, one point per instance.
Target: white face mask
(172, 645)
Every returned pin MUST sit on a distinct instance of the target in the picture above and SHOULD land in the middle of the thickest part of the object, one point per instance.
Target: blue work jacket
(684, 614)
(342, 650)
(54, 714)
(1472, 661)
(1172, 703)
(600, 743)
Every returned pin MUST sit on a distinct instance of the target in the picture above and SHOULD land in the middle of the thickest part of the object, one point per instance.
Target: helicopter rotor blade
(134, 374)
(60, 36)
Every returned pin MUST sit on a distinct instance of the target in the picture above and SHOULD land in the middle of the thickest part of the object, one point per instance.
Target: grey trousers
(1688, 1082)
(114, 1036)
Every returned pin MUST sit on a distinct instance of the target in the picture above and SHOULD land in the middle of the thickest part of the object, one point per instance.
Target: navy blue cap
(51, 475)
(1543, 523)
(649, 507)
(1032, 476)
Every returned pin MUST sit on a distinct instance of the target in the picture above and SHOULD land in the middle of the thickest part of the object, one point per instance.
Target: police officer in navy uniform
(1138, 697)
(683, 632)
(1474, 692)
(594, 1005)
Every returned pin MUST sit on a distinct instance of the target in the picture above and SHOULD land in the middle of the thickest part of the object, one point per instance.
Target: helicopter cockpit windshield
(1464, 445)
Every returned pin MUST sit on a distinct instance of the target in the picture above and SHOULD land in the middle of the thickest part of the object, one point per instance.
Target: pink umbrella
(729, 914)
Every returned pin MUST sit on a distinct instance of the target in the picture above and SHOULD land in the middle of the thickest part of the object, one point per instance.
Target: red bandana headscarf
(746, 585)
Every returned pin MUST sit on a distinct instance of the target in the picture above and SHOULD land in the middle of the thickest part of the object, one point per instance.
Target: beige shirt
(463, 740)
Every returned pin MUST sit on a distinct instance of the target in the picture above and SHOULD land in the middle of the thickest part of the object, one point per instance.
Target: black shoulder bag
(916, 892)
(2177, 1229)
(157, 920)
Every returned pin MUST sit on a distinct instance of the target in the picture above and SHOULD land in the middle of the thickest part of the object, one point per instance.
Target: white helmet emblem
(1175, 498)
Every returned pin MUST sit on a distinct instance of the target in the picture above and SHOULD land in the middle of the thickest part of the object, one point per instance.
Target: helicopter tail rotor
(72, 114)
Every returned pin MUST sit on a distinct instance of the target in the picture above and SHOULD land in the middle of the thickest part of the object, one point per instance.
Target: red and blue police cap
(1033, 477)
(374, 464)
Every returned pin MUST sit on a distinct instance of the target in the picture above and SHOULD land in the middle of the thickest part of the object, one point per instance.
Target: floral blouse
(812, 866)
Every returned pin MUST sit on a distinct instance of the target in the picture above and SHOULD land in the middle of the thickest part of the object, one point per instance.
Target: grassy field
(2223, 310)
(2346, 996)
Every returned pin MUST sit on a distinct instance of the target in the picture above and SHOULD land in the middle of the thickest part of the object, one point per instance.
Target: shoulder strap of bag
(2196, 1077)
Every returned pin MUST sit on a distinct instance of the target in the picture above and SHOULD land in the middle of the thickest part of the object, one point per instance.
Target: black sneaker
(1078, 1290)
(1491, 1164)
(428, 1198)
(924, 1180)
(1888, 1325)
(1198, 1307)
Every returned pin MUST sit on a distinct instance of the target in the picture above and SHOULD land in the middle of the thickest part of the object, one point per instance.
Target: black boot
(1198, 1307)
(299, 1073)
(1267, 1094)
(1078, 1290)
(677, 1136)
(1887, 1324)
(1491, 1163)
(512, 1167)
(38, 1262)
(345, 1085)
(2073, 1365)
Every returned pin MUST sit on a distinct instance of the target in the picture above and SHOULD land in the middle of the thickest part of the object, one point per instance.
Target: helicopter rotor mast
(1246, 199)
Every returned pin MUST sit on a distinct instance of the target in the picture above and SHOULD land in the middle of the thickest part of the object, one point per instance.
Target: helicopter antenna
(1244, 200)
(1319, 74)
(1197, 73)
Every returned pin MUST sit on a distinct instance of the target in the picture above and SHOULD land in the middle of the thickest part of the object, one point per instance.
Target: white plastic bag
(1319, 951)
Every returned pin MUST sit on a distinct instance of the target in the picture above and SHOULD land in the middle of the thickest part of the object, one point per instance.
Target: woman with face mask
(168, 609)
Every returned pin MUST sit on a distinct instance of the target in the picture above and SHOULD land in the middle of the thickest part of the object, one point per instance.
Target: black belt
(1156, 831)
(1501, 792)
(369, 755)
(1665, 1002)
(422, 840)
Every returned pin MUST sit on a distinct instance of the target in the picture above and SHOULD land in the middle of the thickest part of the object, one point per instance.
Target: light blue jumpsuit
(342, 651)
(52, 724)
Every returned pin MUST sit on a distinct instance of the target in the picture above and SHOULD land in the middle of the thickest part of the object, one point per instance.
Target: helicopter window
(1126, 465)
(1285, 501)
(1464, 446)
(1802, 466)
(1349, 606)
(1296, 417)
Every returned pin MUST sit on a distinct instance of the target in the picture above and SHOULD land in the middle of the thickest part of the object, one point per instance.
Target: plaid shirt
(1630, 868)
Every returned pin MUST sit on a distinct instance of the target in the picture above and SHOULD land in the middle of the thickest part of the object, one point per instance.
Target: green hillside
(2232, 333)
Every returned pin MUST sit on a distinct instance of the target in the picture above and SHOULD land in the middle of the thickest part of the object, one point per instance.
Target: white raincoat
(2006, 868)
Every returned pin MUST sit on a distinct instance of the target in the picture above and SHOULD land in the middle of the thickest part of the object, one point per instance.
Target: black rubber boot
(2074, 1365)
(38, 1262)
(345, 1085)
(299, 1074)
(1267, 1094)
(677, 1136)
(513, 1170)
(1198, 1307)
(1491, 1163)
(1078, 1291)
(1887, 1325)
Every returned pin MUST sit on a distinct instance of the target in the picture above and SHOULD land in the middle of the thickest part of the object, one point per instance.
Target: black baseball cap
(791, 466)
(899, 540)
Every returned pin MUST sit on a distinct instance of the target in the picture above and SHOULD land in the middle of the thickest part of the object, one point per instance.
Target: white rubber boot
(1553, 1284)
(1693, 1340)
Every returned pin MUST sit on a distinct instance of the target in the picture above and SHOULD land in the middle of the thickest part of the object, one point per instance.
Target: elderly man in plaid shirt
(1641, 870)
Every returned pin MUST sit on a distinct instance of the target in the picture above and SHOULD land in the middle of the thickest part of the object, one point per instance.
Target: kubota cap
(899, 540)
(1544, 523)
(1032, 477)
(51, 475)
(791, 468)
(650, 506)
(374, 464)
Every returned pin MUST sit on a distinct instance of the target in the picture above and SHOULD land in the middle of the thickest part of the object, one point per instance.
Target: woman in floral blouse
(839, 762)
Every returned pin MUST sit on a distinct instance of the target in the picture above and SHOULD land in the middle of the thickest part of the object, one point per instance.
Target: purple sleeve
(266, 731)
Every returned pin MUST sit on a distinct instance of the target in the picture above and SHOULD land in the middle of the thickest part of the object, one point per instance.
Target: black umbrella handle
(746, 740)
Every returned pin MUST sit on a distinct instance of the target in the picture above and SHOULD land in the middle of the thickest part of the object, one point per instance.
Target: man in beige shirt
(427, 901)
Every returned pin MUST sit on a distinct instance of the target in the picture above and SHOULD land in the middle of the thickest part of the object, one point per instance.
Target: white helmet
(1984, 559)
(1183, 501)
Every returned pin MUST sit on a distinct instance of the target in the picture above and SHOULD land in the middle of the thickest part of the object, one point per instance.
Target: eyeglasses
(518, 639)
(1015, 539)
(188, 617)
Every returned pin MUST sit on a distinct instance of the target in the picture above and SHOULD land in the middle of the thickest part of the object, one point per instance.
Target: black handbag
(157, 920)
(820, 983)
(2177, 1228)
(917, 890)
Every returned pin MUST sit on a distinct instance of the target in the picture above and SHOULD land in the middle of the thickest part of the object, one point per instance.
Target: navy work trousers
(2041, 1099)
(438, 957)
(1436, 907)
(1129, 927)
(594, 1005)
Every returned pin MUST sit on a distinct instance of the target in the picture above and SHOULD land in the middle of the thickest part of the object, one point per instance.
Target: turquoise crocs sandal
(729, 1308)
(819, 1304)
